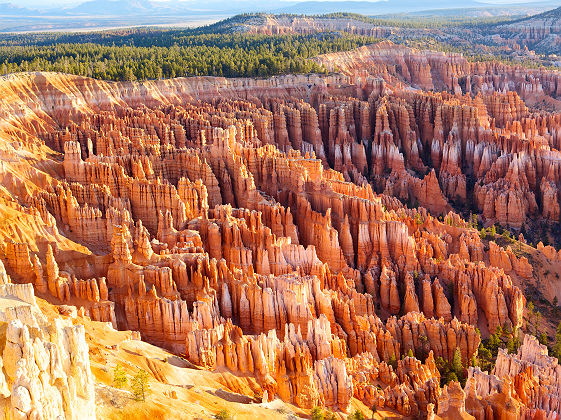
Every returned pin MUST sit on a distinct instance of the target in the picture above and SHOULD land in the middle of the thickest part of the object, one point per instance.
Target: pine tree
(485, 358)
(511, 345)
(530, 319)
(537, 322)
(557, 345)
(452, 377)
(457, 367)
(119, 377)
(140, 386)
(456, 364)
(475, 221)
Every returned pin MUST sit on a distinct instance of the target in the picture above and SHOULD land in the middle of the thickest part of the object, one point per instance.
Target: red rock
(265, 233)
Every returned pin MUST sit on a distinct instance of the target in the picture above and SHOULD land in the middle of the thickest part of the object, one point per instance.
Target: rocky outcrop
(90, 294)
(451, 404)
(420, 384)
(45, 367)
(301, 378)
(508, 261)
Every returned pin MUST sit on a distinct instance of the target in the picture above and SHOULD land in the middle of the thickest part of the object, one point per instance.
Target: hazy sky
(51, 3)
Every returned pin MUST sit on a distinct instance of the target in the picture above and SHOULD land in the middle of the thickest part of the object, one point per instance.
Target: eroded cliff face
(293, 24)
(45, 367)
(258, 226)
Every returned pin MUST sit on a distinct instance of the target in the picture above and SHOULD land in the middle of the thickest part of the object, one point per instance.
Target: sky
(51, 3)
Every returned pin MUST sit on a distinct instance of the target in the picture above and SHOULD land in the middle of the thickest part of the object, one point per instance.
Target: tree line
(147, 55)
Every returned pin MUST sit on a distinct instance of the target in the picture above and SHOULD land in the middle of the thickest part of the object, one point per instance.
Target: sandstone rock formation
(45, 367)
(299, 229)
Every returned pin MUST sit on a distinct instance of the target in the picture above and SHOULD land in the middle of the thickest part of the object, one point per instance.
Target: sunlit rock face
(45, 367)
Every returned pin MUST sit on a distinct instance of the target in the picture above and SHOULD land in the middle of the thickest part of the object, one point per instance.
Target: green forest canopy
(154, 54)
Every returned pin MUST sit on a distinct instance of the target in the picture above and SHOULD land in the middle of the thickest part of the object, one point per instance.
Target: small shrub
(317, 414)
(330, 415)
(393, 362)
(223, 415)
(357, 415)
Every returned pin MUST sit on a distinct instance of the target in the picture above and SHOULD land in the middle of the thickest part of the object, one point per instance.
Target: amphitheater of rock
(304, 230)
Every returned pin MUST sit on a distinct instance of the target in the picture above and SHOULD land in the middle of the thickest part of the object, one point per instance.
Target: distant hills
(375, 8)
(554, 14)
(92, 14)
(112, 7)
(9, 9)
(142, 7)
